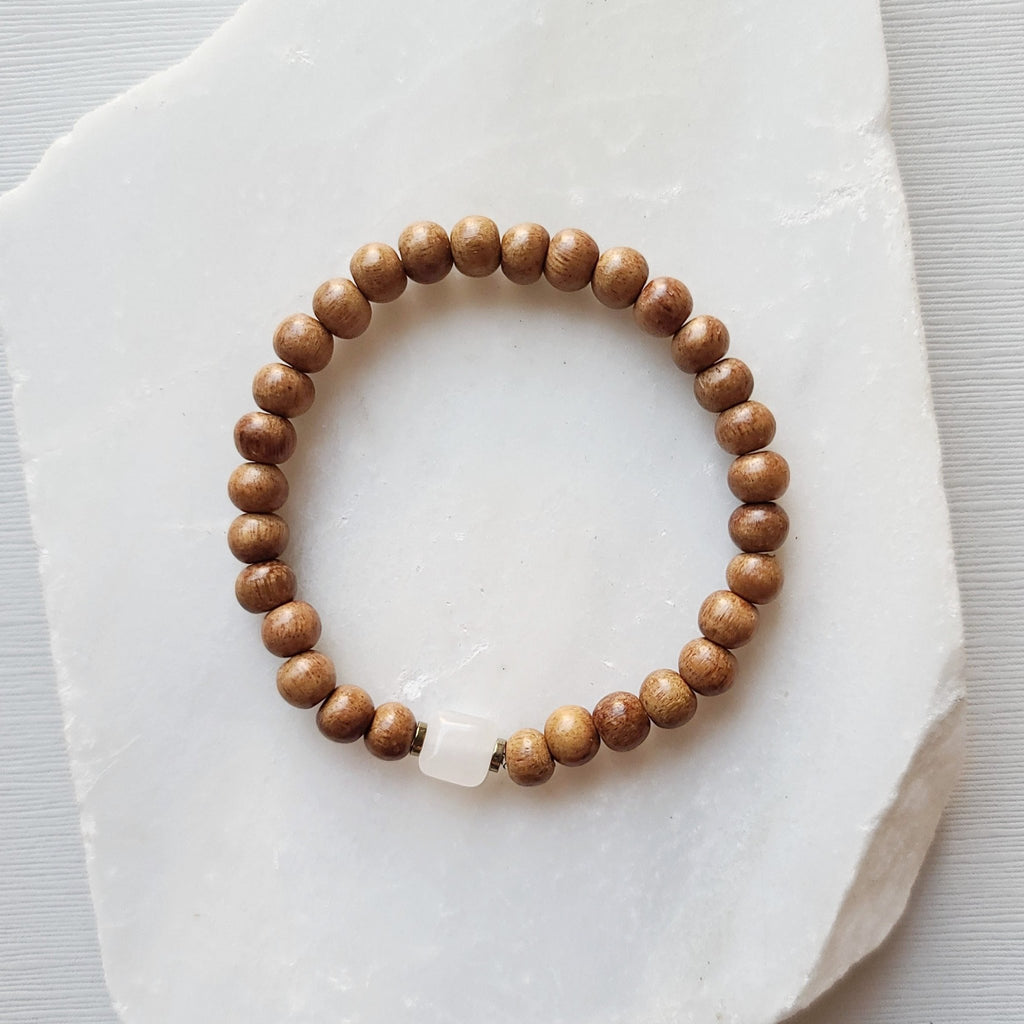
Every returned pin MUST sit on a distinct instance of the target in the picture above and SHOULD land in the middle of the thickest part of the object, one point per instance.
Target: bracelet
(463, 748)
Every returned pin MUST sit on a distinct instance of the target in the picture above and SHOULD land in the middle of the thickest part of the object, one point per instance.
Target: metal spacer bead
(498, 757)
(417, 739)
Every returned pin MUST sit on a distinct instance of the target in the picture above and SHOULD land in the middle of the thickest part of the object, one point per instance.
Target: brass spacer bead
(417, 739)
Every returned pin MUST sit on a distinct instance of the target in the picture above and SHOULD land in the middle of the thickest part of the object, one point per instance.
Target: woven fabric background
(958, 120)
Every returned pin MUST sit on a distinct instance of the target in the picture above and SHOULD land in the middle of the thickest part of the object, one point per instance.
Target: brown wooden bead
(759, 527)
(346, 714)
(571, 259)
(619, 277)
(257, 487)
(391, 731)
(426, 252)
(476, 246)
(723, 384)
(264, 585)
(699, 343)
(621, 721)
(257, 537)
(745, 428)
(527, 758)
(290, 628)
(524, 249)
(756, 577)
(662, 307)
(306, 679)
(303, 342)
(264, 437)
(667, 699)
(759, 476)
(283, 390)
(571, 735)
(707, 667)
(377, 272)
(727, 620)
(342, 308)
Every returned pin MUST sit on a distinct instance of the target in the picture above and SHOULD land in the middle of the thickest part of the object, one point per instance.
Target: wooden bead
(619, 277)
(264, 585)
(476, 246)
(346, 714)
(745, 428)
(756, 577)
(524, 249)
(257, 487)
(426, 252)
(342, 308)
(264, 437)
(707, 668)
(377, 272)
(727, 620)
(759, 476)
(699, 343)
(662, 307)
(759, 527)
(257, 537)
(621, 721)
(306, 679)
(290, 628)
(527, 758)
(667, 699)
(571, 735)
(391, 731)
(304, 343)
(283, 390)
(723, 384)
(571, 259)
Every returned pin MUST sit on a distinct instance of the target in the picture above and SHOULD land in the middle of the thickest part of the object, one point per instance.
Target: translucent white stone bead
(458, 748)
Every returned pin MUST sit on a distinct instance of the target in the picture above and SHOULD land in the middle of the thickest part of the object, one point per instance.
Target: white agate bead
(458, 748)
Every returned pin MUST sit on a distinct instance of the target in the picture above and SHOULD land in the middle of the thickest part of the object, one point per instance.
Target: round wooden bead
(426, 252)
(760, 527)
(571, 735)
(527, 758)
(723, 384)
(346, 714)
(524, 249)
(283, 390)
(290, 628)
(391, 731)
(667, 699)
(756, 577)
(621, 721)
(264, 585)
(707, 668)
(257, 487)
(571, 259)
(264, 437)
(304, 343)
(759, 476)
(699, 343)
(257, 536)
(377, 272)
(476, 246)
(306, 679)
(619, 277)
(745, 428)
(727, 620)
(662, 307)
(342, 308)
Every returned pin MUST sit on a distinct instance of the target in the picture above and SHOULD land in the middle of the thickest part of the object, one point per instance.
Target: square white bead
(457, 748)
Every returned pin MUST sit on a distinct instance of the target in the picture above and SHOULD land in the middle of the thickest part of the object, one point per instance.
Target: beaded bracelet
(453, 746)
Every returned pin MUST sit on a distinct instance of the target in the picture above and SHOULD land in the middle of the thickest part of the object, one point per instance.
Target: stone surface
(501, 501)
(457, 748)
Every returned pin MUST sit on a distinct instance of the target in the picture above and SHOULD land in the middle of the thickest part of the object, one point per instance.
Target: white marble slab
(504, 500)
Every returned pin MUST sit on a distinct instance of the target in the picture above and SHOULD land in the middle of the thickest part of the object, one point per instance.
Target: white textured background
(958, 112)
